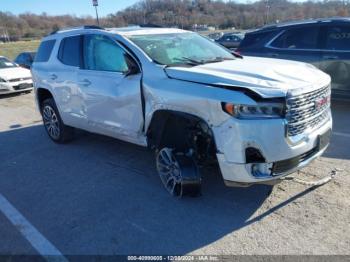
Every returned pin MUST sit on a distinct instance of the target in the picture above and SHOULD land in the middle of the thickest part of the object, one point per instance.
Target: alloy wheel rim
(51, 122)
(169, 170)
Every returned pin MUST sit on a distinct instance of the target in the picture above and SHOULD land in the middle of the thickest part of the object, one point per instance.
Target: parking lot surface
(102, 196)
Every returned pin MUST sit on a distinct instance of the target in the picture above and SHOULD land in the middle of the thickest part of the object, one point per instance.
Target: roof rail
(77, 28)
(304, 21)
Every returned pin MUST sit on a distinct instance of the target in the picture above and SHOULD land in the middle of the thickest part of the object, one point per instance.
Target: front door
(112, 96)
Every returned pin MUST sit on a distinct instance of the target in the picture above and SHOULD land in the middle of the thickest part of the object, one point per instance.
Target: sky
(59, 7)
(73, 7)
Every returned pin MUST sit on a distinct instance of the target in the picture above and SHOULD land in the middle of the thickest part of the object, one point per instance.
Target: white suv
(188, 98)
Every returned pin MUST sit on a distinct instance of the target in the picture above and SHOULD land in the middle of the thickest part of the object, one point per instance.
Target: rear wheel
(55, 128)
(178, 173)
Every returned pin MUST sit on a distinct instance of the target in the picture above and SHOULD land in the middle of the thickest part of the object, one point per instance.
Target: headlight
(2, 80)
(261, 110)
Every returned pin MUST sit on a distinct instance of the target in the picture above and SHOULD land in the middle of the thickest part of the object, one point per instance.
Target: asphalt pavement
(100, 196)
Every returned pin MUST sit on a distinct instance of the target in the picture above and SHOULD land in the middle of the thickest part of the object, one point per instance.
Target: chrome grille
(307, 110)
(19, 79)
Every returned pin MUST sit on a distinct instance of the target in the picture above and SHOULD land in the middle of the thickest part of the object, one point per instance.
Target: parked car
(215, 36)
(14, 78)
(187, 98)
(25, 59)
(230, 40)
(325, 43)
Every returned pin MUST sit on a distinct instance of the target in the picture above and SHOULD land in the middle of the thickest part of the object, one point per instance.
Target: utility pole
(267, 11)
(95, 4)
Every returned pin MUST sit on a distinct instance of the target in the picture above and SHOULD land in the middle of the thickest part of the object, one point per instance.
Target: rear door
(297, 43)
(336, 56)
(112, 96)
(64, 82)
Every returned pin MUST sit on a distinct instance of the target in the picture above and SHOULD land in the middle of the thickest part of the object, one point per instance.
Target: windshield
(181, 49)
(5, 63)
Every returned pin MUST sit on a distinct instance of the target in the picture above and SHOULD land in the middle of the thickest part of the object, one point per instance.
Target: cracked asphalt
(100, 196)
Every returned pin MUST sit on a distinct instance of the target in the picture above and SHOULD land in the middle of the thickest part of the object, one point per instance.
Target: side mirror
(236, 54)
(133, 68)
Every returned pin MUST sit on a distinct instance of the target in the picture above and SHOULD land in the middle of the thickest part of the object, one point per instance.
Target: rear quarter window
(44, 51)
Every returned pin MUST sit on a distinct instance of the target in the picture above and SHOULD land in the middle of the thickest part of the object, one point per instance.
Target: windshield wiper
(193, 62)
(216, 60)
(189, 61)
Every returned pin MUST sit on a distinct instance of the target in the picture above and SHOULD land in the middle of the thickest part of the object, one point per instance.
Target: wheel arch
(41, 95)
(170, 127)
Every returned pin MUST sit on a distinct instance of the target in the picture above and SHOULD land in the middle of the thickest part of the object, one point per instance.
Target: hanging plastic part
(316, 183)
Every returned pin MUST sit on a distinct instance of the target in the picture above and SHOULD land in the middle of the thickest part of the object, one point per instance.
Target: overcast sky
(74, 7)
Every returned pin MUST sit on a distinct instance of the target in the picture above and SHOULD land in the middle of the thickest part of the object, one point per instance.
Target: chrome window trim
(268, 45)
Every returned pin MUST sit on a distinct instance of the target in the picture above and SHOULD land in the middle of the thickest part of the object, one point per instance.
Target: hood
(14, 72)
(265, 76)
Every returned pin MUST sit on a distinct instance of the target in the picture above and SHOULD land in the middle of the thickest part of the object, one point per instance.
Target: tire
(55, 128)
(178, 173)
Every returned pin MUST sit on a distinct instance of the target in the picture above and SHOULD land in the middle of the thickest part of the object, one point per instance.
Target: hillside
(180, 13)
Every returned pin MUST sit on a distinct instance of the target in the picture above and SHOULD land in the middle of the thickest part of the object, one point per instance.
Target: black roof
(302, 22)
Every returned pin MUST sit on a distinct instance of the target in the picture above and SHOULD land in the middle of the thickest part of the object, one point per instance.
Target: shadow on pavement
(102, 196)
(4, 96)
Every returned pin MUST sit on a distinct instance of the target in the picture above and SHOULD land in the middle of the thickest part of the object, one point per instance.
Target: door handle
(273, 55)
(330, 57)
(53, 77)
(85, 82)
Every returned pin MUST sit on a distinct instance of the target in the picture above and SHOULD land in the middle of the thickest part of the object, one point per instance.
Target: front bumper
(14, 87)
(269, 137)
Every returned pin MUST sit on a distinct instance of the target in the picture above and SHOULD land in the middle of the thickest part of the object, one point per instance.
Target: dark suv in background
(325, 43)
(25, 59)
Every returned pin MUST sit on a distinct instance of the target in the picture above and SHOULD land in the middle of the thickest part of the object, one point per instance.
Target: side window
(70, 50)
(230, 38)
(254, 39)
(44, 51)
(103, 54)
(338, 38)
(235, 38)
(298, 38)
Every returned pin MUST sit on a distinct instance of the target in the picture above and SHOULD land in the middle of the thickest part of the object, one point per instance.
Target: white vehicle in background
(14, 78)
(186, 97)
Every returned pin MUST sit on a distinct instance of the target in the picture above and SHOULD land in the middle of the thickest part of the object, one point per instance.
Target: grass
(12, 49)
